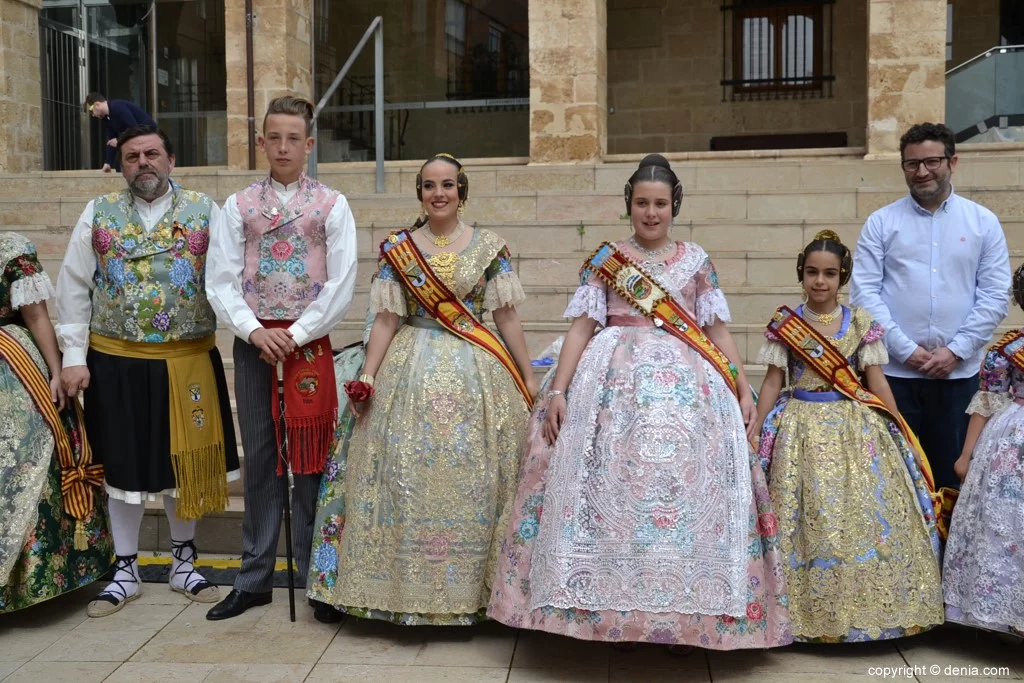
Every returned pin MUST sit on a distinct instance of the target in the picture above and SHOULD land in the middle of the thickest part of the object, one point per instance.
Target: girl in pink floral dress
(648, 519)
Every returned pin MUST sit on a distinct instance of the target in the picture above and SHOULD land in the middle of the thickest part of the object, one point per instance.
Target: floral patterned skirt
(418, 487)
(856, 527)
(983, 581)
(642, 370)
(42, 560)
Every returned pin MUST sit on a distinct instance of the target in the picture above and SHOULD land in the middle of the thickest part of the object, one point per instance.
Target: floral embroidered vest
(285, 247)
(151, 287)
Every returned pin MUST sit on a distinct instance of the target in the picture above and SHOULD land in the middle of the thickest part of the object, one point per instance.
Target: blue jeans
(936, 410)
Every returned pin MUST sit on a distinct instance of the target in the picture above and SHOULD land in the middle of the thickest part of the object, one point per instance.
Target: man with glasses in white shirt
(934, 270)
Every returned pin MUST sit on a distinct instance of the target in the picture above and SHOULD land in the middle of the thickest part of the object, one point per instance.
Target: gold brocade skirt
(431, 477)
(861, 560)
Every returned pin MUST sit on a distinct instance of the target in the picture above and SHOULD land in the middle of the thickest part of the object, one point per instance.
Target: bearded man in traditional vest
(138, 339)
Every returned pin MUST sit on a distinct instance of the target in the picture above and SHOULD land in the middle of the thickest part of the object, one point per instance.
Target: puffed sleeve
(773, 351)
(503, 285)
(711, 304)
(993, 393)
(386, 291)
(29, 283)
(590, 299)
(872, 349)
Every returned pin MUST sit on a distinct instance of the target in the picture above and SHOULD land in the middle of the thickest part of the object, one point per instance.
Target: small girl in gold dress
(856, 526)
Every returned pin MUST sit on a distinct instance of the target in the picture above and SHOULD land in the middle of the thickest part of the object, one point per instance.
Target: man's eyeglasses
(930, 163)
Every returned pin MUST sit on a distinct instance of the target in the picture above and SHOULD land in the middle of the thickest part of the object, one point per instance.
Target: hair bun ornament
(1018, 285)
(655, 160)
(830, 235)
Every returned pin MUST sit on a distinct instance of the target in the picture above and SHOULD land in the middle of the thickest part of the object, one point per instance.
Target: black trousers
(936, 410)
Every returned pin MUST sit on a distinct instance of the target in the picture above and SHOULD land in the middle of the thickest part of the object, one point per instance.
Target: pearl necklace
(651, 254)
(443, 241)
(823, 318)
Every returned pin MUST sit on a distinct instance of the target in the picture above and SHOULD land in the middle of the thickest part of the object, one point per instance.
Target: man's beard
(147, 184)
(941, 187)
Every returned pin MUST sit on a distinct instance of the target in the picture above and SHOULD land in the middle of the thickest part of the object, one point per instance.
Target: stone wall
(21, 135)
(664, 71)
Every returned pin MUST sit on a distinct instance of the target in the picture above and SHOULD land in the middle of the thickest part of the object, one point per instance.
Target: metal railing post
(312, 158)
(378, 102)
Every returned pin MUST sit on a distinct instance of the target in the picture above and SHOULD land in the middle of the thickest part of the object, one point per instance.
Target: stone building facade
(606, 77)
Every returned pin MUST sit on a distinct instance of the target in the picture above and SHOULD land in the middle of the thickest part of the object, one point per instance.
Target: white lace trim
(773, 353)
(591, 301)
(388, 296)
(988, 403)
(874, 353)
(31, 290)
(710, 305)
(504, 289)
(136, 497)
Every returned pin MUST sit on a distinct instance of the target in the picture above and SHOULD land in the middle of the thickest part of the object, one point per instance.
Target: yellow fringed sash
(197, 427)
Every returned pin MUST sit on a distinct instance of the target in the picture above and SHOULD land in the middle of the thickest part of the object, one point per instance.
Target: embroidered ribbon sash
(643, 293)
(77, 479)
(1011, 347)
(196, 423)
(442, 304)
(310, 405)
(824, 358)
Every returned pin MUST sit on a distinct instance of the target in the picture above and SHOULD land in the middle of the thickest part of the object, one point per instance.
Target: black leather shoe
(236, 603)
(326, 614)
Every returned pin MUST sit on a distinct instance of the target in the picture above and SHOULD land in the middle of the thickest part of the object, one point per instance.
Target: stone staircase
(751, 211)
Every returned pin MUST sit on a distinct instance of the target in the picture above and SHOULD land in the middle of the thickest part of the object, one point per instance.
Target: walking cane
(287, 498)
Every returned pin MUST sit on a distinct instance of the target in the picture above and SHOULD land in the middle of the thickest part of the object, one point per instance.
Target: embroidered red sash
(1011, 347)
(442, 304)
(819, 354)
(644, 294)
(310, 405)
(77, 479)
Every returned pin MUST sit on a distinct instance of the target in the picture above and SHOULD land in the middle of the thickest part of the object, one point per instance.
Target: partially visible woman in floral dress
(856, 524)
(642, 514)
(983, 579)
(430, 470)
(44, 550)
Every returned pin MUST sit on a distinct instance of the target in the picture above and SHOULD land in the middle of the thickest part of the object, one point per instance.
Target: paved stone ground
(162, 637)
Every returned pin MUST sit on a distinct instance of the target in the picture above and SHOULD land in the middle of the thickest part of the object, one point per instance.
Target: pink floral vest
(285, 247)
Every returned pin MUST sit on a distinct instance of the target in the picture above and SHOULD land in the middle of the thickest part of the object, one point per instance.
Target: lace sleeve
(31, 290)
(873, 353)
(987, 403)
(711, 305)
(387, 293)
(591, 301)
(773, 353)
(504, 289)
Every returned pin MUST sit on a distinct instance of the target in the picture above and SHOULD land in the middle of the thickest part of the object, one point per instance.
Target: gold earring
(803, 296)
(462, 206)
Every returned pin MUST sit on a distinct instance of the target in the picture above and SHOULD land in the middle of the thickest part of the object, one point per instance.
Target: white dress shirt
(226, 261)
(933, 280)
(75, 281)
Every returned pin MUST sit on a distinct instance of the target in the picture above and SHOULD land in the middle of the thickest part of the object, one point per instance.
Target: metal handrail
(376, 28)
(1000, 49)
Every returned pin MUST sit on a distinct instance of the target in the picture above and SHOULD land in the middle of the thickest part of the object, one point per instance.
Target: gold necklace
(443, 241)
(823, 318)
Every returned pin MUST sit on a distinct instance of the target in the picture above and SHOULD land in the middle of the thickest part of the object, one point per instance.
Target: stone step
(790, 169)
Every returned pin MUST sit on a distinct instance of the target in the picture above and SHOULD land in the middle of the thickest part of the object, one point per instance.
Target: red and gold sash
(442, 304)
(819, 354)
(1011, 347)
(643, 293)
(77, 479)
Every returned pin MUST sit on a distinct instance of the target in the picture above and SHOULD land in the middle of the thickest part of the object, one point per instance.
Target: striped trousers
(255, 388)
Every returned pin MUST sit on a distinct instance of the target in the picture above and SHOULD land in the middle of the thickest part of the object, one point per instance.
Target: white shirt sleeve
(224, 265)
(74, 291)
(329, 308)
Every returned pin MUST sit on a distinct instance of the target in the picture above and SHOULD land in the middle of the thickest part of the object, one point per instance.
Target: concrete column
(21, 108)
(906, 69)
(281, 64)
(568, 80)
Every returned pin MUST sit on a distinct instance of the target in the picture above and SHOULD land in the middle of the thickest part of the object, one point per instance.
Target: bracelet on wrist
(368, 379)
(555, 392)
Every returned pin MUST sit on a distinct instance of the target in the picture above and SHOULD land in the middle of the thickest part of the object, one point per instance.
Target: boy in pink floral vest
(282, 271)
